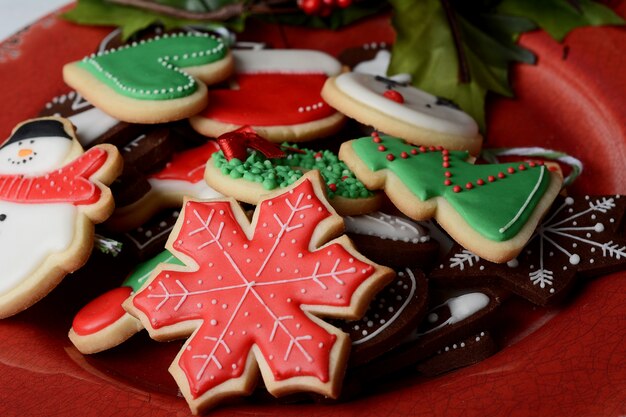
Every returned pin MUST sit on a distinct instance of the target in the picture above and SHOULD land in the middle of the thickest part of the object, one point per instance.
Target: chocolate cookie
(579, 237)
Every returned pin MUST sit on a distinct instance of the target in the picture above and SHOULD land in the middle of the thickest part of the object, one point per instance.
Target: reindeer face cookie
(50, 196)
(403, 111)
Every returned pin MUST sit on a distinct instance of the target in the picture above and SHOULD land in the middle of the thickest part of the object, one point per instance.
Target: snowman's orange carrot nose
(24, 152)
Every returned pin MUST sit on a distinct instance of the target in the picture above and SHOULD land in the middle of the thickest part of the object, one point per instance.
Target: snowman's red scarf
(69, 184)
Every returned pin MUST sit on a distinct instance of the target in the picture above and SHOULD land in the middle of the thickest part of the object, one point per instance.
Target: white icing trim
(526, 203)
(386, 226)
(367, 90)
(397, 313)
(297, 61)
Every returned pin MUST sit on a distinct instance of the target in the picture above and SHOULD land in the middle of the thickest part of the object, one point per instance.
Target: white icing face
(34, 156)
(419, 108)
(29, 233)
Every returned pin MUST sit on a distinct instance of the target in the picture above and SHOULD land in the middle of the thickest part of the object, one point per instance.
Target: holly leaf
(559, 17)
(132, 20)
(463, 74)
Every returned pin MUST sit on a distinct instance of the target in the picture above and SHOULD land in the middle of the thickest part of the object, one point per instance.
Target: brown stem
(464, 72)
(224, 13)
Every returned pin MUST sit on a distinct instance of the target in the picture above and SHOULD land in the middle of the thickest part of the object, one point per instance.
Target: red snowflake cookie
(249, 292)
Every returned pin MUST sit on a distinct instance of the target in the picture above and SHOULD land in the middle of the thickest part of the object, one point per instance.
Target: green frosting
(280, 173)
(150, 70)
(142, 272)
(497, 209)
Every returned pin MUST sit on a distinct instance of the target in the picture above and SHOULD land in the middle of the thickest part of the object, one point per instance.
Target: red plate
(570, 361)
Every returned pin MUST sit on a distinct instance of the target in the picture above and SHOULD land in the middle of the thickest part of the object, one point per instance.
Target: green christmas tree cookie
(489, 209)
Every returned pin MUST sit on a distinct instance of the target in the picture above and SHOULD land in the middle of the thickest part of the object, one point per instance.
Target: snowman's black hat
(38, 129)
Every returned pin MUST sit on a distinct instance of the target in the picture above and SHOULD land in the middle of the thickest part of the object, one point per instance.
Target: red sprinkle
(480, 181)
(446, 164)
(447, 182)
(390, 157)
(439, 148)
(318, 155)
(382, 148)
(431, 148)
(511, 170)
(457, 189)
(532, 164)
(422, 149)
(377, 139)
(345, 177)
(404, 155)
(333, 187)
(414, 151)
(445, 152)
(448, 174)
(522, 167)
(469, 185)
(501, 175)
(491, 178)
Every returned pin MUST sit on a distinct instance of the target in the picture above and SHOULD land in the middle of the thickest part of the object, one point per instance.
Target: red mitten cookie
(277, 92)
(51, 194)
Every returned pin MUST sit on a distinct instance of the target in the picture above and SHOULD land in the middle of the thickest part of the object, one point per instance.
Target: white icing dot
(213, 322)
(321, 345)
(599, 227)
(574, 259)
(433, 317)
(364, 332)
(199, 305)
(224, 306)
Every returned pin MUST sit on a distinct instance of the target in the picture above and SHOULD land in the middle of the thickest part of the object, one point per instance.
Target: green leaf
(559, 17)
(130, 19)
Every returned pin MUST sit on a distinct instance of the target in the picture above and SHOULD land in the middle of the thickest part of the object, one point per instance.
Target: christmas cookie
(579, 237)
(391, 240)
(249, 295)
(465, 352)
(392, 315)
(182, 176)
(491, 210)
(149, 239)
(51, 194)
(403, 111)
(103, 323)
(277, 92)
(152, 81)
(250, 177)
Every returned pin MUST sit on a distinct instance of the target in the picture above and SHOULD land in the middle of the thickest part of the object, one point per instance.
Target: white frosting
(379, 65)
(461, 308)
(92, 123)
(285, 61)
(179, 187)
(29, 234)
(386, 226)
(443, 119)
(35, 155)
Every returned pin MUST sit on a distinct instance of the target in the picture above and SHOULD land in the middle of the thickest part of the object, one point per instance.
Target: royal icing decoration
(151, 69)
(184, 174)
(578, 237)
(494, 200)
(419, 108)
(247, 285)
(386, 226)
(45, 194)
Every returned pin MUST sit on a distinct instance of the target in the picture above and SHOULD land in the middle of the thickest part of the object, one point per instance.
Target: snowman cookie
(152, 81)
(277, 93)
(404, 111)
(51, 194)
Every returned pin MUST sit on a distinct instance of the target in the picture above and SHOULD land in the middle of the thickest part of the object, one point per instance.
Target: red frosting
(69, 184)
(188, 165)
(270, 100)
(250, 291)
(101, 312)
